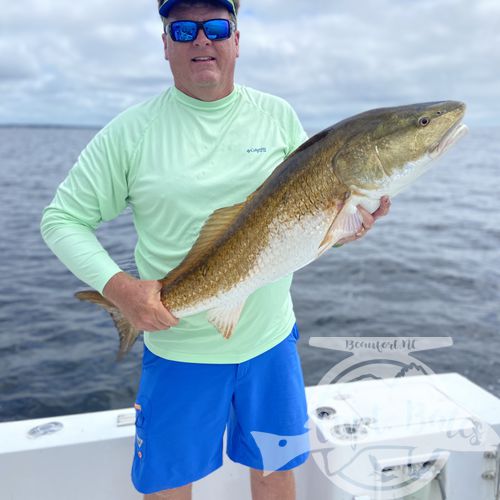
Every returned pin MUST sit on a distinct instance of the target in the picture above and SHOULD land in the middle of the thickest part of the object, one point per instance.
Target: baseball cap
(167, 6)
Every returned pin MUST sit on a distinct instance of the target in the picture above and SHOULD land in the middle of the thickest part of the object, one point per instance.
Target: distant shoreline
(52, 126)
(310, 133)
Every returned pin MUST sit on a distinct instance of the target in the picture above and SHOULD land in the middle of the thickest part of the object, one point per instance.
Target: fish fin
(347, 222)
(225, 319)
(211, 233)
(127, 333)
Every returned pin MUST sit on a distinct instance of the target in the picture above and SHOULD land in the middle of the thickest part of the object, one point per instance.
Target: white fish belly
(391, 186)
(291, 247)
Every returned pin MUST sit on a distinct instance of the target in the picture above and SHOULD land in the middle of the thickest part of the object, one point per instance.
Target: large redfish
(306, 206)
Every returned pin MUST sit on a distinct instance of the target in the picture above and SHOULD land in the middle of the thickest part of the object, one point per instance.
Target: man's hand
(139, 301)
(368, 219)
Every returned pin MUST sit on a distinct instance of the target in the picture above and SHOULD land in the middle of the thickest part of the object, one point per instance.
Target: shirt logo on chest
(257, 150)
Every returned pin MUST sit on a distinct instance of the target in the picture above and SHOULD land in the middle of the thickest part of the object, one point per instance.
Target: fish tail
(126, 331)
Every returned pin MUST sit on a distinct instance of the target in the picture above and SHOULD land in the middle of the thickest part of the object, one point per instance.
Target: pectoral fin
(347, 223)
(225, 318)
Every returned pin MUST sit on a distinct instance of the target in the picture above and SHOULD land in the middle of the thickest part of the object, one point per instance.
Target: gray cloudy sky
(83, 62)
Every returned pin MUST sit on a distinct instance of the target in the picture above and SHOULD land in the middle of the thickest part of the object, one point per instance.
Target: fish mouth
(451, 137)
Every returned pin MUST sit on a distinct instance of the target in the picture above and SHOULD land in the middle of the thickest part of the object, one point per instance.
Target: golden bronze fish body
(341, 163)
(306, 206)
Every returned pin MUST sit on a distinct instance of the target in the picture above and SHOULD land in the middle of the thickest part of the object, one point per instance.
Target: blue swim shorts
(182, 411)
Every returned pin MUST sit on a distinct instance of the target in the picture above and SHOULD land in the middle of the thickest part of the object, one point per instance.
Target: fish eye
(424, 121)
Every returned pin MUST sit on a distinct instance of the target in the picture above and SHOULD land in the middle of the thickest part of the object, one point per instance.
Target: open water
(431, 268)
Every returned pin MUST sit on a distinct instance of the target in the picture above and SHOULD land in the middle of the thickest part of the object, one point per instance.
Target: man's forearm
(78, 249)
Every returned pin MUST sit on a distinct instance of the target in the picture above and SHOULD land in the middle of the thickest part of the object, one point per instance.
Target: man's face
(193, 73)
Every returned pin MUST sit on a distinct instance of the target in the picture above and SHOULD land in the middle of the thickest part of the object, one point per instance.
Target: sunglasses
(187, 31)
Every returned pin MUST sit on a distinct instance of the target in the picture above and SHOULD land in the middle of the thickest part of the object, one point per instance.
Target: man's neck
(207, 94)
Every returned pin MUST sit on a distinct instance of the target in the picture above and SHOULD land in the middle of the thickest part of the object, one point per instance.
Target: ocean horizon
(431, 268)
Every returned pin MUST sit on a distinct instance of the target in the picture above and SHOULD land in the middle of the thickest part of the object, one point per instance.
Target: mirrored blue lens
(187, 31)
(183, 31)
(217, 29)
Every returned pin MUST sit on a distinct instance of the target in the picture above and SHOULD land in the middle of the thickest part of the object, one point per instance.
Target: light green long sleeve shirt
(174, 160)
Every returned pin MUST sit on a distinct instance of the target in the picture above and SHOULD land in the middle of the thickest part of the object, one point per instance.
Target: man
(203, 144)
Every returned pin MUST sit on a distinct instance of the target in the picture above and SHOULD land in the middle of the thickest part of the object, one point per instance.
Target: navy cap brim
(169, 4)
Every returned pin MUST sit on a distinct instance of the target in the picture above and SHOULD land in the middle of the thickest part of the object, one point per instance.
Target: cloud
(86, 62)
(341, 59)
